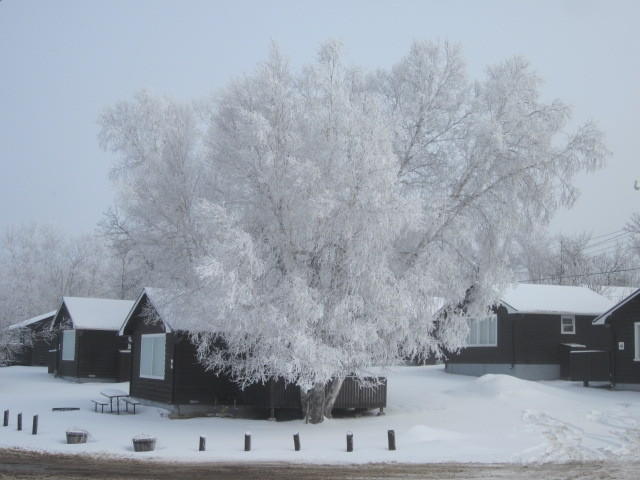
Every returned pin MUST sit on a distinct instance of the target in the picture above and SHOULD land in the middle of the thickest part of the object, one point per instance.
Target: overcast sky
(62, 62)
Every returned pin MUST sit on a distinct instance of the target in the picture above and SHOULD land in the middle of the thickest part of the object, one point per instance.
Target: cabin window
(483, 332)
(567, 324)
(68, 345)
(636, 341)
(152, 348)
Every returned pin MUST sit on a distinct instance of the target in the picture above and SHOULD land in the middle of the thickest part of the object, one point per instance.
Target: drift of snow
(97, 313)
(437, 417)
(532, 298)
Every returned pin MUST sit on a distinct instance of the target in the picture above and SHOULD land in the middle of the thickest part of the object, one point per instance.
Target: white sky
(61, 62)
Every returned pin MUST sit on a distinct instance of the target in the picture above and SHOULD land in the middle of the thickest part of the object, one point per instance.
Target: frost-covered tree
(39, 264)
(633, 228)
(159, 176)
(312, 225)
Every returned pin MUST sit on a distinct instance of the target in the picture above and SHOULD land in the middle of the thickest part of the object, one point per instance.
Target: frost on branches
(310, 219)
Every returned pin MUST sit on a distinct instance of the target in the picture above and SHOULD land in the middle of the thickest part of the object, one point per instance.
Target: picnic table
(112, 393)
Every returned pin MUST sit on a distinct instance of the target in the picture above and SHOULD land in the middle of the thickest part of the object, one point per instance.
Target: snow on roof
(617, 294)
(600, 320)
(534, 298)
(163, 301)
(31, 321)
(97, 313)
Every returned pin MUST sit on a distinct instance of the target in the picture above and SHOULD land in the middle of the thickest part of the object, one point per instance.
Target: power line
(607, 234)
(603, 250)
(581, 275)
(608, 240)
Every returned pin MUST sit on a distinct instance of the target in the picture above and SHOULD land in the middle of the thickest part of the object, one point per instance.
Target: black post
(34, 429)
(296, 441)
(247, 442)
(349, 442)
(5, 423)
(391, 435)
(20, 421)
(202, 444)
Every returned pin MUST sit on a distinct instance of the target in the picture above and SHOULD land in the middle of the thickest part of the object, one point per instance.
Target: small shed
(165, 370)
(623, 322)
(87, 344)
(532, 331)
(36, 339)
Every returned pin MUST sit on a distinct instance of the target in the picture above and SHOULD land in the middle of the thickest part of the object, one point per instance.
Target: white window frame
(152, 336)
(636, 341)
(66, 345)
(573, 324)
(471, 322)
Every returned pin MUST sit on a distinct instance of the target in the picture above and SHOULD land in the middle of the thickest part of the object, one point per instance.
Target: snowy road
(19, 465)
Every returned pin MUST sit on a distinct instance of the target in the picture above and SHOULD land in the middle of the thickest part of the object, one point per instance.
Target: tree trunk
(318, 402)
(331, 395)
(313, 402)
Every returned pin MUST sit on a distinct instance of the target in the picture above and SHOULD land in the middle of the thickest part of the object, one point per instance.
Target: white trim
(573, 324)
(153, 355)
(636, 341)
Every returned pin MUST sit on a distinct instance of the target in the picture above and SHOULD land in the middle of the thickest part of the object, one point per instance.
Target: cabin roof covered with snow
(30, 321)
(164, 303)
(617, 294)
(535, 298)
(97, 313)
(601, 320)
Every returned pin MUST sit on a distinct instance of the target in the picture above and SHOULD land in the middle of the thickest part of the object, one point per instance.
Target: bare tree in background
(38, 265)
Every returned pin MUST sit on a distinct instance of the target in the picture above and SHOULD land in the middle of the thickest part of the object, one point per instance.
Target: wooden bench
(102, 404)
(130, 401)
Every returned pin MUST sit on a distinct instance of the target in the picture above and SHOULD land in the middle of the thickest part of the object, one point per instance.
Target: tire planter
(144, 443)
(77, 436)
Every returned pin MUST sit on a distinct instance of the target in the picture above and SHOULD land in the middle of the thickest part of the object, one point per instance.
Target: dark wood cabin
(622, 322)
(165, 370)
(87, 344)
(532, 333)
(35, 338)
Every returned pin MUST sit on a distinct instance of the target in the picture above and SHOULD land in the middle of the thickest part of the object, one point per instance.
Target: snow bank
(437, 417)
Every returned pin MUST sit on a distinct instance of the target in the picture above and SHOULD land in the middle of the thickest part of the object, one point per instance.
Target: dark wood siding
(625, 368)
(589, 365)
(193, 384)
(354, 395)
(187, 382)
(153, 389)
(97, 352)
(276, 394)
(503, 353)
(67, 368)
(533, 339)
(124, 365)
(272, 394)
(149, 388)
(40, 351)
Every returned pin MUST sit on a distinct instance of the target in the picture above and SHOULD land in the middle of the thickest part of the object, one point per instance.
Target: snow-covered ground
(437, 417)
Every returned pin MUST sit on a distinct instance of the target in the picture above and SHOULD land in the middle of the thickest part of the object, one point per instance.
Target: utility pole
(561, 259)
